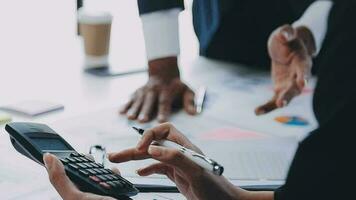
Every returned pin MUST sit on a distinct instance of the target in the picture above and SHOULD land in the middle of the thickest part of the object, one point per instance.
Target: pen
(197, 158)
(200, 98)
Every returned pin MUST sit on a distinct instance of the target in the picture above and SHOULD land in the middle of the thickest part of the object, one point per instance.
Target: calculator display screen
(49, 143)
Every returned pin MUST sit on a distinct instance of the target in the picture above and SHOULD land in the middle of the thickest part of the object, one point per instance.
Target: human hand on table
(163, 91)
(193, 182)
(291, 50)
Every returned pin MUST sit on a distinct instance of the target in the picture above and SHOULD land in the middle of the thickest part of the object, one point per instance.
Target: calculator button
(97, 171)
(105, 185)
(64, 161)
(111, 184)
(94, 165)
(106, 171)
(113, 177)
(74, 166)
(100, 170)
(102, 177)
(91, 171)
(95, 179)
(84, 159)
(82, 165)
(89, 159)
(77, 159)
(99, 165)
(71, 160)
(75, 154)
(109, 177)
(83, 172)
(89, 165)
(118, 184)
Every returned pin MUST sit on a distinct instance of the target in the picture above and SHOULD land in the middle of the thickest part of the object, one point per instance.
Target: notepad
(32, 107)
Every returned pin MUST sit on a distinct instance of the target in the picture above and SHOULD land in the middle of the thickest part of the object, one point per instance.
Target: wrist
(306, 36)
(164, 68)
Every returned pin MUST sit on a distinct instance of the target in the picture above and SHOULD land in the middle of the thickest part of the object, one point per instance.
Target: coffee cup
(95, 29)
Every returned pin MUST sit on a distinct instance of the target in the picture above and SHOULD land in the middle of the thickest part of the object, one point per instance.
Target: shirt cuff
(161, 32)
(316, 19)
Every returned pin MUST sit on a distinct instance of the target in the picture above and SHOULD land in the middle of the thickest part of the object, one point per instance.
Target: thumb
(58, 177)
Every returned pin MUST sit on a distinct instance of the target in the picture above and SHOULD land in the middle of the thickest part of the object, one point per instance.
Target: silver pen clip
(217, 169)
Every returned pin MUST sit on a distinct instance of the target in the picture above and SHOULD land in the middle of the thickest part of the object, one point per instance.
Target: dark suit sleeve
(147, 6)
(299, 6)
(325, 162)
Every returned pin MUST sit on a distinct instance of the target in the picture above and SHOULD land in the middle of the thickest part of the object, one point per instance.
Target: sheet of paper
(254, 150)
(245, 154)
(32, 107)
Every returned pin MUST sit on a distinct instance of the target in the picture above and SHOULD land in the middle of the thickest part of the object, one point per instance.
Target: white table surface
(41, 58)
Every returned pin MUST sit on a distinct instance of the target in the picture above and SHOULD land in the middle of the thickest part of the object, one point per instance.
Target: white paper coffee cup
(95, 28)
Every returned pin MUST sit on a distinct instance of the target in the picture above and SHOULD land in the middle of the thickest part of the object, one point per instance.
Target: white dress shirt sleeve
(316, 19)
(161, 32)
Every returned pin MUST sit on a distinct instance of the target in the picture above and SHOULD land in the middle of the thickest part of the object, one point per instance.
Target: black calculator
(33, 140)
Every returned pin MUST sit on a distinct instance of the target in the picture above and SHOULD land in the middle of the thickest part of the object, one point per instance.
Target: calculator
(34, 140)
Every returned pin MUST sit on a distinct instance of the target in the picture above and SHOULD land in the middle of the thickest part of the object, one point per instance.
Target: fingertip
(139, 172)
(123, 110)
(162, 118)
(131, 116)
(115, 158)
(110, 156)
(302, 83)
(143, 118)
(259, 111)
(48, 160)
(154, 151)
(115, 170)
(191, 110)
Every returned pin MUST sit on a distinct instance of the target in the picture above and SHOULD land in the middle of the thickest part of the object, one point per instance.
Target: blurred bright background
(39, 46)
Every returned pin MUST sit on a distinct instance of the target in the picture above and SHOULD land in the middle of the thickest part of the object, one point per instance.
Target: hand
(193, 182)
(291, 51)
(164, 88)
(64, 186)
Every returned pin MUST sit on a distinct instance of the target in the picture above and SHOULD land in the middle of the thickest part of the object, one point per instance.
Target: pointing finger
(128, 155)
(267, 107)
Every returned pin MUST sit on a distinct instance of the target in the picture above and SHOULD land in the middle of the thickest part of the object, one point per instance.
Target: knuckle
(169, 124)
(176, 155)
(55, 177)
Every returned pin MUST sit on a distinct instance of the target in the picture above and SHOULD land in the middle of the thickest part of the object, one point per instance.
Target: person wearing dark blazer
(324, 164)
(229, 30)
